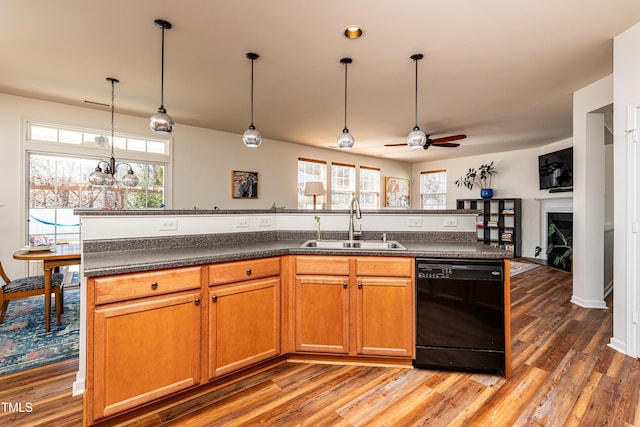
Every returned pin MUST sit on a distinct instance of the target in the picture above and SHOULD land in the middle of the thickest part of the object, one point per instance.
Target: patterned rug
(520, 267)
(24, 343)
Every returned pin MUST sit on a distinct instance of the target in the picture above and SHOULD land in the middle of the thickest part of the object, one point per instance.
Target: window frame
(424, 195)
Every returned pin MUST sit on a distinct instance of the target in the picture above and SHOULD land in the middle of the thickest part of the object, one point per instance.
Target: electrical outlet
(242, 223)
(168, 224)
(450, 222)
(264, 222)
(415, 222)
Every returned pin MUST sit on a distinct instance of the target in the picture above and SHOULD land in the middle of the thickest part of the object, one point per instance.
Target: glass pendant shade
(130, 179)
(161, 123)
(345, 140)
(251, 137)
(98, 177)
(416, 138)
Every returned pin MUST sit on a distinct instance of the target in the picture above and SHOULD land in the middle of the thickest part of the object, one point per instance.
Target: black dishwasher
(460, 322)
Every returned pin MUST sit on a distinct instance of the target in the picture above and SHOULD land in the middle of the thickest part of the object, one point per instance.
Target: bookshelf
(498, 223)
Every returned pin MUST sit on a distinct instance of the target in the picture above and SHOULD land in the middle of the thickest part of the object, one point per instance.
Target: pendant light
(251, 136)
(107, 176)
(162, 123)
(417, 138)
(345, 139)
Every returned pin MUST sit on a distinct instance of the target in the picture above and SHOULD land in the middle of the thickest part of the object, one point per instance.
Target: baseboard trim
(600, 304)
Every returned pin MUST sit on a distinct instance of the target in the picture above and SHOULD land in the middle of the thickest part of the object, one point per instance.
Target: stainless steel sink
(371, 245)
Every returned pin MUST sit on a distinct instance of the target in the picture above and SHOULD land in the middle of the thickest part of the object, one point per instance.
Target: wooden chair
(27, 287)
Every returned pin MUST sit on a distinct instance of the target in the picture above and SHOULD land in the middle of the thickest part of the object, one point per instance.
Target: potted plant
(480, 177)
(563, 250)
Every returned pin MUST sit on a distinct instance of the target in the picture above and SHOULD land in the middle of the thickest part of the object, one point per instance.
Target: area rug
(23, 342)
(520, 267)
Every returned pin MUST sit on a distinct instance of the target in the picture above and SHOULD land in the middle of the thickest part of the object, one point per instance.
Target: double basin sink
(371, 245)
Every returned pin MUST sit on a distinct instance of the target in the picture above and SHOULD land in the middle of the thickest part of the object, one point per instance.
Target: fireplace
(562, 209)
(563, 222)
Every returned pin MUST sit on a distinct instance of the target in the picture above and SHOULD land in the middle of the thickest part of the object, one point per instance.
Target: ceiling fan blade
(395, 145)
(445, 144)
(449, 138)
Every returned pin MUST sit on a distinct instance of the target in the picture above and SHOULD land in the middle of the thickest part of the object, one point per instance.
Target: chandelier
(106, 176)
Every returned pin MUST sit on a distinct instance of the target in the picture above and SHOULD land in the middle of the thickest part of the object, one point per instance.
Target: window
(58, 177)
(369, 188)
(343, 185)
(433, 189)
(311, 171)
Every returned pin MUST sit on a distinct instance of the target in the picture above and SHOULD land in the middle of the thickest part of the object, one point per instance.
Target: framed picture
(397, 192)
(244, 185)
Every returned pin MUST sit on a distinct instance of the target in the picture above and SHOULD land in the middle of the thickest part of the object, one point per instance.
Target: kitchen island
(169, 316)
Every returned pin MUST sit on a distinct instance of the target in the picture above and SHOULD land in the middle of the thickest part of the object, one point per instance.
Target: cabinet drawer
(384, 266)
(137, 285)
(325, 265)
(243, 270)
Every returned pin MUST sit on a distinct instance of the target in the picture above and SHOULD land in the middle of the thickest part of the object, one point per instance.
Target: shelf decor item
(480, 177)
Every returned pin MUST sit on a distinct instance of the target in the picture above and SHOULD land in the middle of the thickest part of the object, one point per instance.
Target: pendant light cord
(416, 61)
(162, 72)
(252, 91)
(345, 95)
(113, 97)
(346, 62)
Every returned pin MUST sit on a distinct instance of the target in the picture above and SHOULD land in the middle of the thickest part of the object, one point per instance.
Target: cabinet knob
(214, 298)
(197, 301)
(248, 272)
(345, 285)
(154, 285)
(359, 285)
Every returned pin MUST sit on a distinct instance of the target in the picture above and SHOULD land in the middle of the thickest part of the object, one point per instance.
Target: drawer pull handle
(154, 285)
(359, 285)
(214, 298)
(248, 272)
(197, 301)
(345, 285)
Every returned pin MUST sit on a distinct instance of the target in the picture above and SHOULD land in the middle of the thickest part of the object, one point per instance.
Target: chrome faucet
(352, 232)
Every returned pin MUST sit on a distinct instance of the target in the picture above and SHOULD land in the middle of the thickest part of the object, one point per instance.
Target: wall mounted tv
(556, 170)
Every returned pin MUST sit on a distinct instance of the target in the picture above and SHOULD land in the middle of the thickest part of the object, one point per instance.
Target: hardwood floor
(564, 375)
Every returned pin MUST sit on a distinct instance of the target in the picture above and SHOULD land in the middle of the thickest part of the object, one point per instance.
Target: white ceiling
(501, 71)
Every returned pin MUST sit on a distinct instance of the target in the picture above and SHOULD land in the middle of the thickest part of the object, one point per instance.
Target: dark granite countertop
(104, 263)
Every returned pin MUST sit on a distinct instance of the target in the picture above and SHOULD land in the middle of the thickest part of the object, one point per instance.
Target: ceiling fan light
(417, 138)
(345, 140)
(251, 137)
(161, 123)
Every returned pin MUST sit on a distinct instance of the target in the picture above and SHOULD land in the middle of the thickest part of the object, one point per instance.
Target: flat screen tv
(556, 170)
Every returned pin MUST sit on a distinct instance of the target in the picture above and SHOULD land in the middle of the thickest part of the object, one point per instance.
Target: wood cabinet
(499, 222)
(244, 314)
(354, 305)
(143, 339)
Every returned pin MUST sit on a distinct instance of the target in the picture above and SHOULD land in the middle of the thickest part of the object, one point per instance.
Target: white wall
(200, 174)
(589, 104)
(626, 94)
(517, 177)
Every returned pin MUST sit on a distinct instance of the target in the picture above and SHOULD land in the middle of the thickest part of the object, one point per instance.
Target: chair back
(3, 276)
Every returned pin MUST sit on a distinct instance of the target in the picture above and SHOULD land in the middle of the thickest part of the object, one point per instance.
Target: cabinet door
(385, 316)
(244, 324)
(322, 314)
(144, 350)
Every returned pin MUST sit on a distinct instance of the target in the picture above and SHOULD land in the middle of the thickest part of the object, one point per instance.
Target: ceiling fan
(445, 141)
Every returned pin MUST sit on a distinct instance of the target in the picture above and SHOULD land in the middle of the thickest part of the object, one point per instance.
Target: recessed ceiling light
(353, 32)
